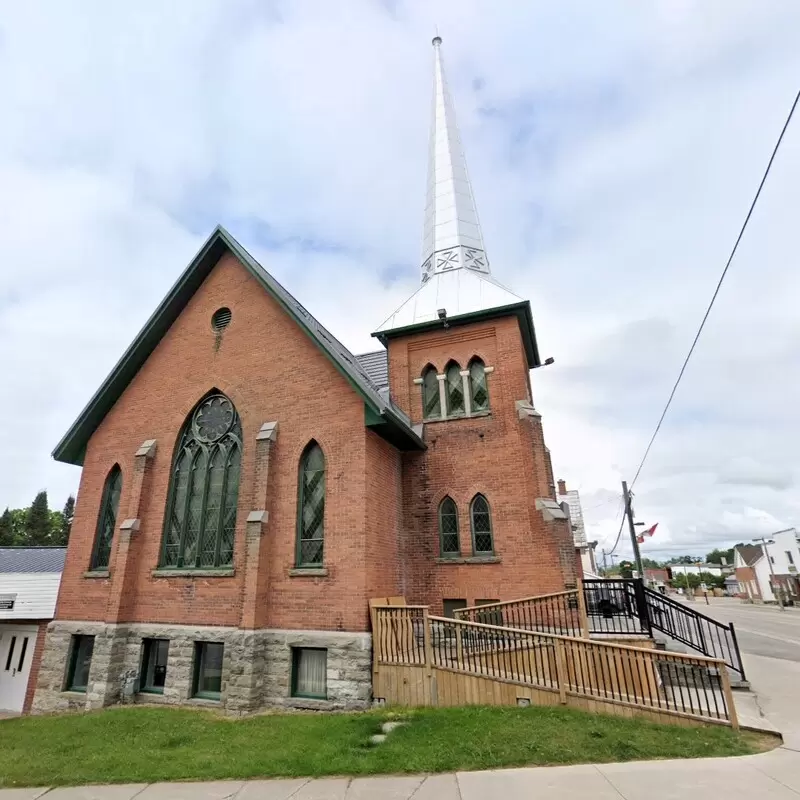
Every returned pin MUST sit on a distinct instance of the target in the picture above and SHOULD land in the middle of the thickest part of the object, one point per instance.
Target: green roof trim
(521, 310)
(387, 420)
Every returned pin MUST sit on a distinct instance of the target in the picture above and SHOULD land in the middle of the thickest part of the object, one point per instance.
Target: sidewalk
(769, 776)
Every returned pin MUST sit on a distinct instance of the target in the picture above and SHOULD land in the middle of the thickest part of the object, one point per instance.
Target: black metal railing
(627, 606)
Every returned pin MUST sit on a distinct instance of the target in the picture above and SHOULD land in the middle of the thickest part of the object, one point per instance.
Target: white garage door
(17, 644)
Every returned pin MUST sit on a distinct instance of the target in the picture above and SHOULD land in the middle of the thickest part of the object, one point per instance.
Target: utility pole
(778, 591)
(637, 556)
(605, 565)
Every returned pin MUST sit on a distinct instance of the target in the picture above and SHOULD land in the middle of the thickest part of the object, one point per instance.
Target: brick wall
(33, 677)
(271, 371)
(500, 456)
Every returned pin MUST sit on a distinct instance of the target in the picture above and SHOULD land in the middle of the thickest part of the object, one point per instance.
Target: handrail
(511, 602)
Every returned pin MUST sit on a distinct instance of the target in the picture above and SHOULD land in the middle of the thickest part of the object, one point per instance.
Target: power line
(711, 304)
(719, 286)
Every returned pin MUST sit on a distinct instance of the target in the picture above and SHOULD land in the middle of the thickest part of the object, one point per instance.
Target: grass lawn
(155, 744)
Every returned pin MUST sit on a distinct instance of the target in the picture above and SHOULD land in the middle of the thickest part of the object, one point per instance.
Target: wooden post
(582, 610)
(375, 639)
(561, 672)
(459, 648)
(426, 628)
(725, 679)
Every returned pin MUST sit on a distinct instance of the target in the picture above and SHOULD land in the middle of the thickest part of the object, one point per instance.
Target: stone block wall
(256, 667)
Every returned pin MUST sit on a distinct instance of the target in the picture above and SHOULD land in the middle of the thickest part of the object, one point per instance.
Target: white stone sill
(470, 560)
(97, 573)
(192, 573)
(308, 572)
(461, 418)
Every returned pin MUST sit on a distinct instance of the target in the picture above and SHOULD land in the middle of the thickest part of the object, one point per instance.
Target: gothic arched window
(478, 390)
(311, 507)
(107, 519)
(448, 528)
(481, 519)
(200, 522)
(431, 403)
(455, 390)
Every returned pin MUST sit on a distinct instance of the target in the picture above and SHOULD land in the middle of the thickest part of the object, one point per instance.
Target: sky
(614, 149)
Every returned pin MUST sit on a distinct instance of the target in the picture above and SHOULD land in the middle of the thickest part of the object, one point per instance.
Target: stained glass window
(448, 528)
(204, 489)
(455, 390)
(311, 508)
(478, 390)
(431, 403)
(481, 519)
(107, 519)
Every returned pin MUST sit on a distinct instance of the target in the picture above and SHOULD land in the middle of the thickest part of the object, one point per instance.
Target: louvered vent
(221, 319)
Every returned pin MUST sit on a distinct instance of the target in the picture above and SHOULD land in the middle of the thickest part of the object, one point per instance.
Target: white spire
(452, 236)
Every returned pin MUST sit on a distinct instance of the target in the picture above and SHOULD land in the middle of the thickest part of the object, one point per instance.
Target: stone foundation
(256, 667)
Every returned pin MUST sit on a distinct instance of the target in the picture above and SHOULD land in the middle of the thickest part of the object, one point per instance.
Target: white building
(783, 550)
(696, 569)
(586, 548)
(29, 581)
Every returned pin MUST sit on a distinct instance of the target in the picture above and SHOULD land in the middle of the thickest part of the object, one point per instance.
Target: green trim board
(522, 311)
(393, 425)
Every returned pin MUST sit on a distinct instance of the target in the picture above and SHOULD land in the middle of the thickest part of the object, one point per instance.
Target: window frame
(442, 533)
(191, 445)
(458, 387)
(72, 664)
(299, 562)
(150, 645)
(296, 655)
(428, 374)
(476, 361)
(197, 668)
(488, 513)
(107, 508)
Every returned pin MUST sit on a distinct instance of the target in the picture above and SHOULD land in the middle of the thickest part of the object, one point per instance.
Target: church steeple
(452, 236)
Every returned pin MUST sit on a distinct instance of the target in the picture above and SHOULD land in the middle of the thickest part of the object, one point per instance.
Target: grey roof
(750, 553)
(381, 414)
(32, 559)
(376, 365)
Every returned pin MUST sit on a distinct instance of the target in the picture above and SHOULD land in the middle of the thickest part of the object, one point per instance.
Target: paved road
(762, 630)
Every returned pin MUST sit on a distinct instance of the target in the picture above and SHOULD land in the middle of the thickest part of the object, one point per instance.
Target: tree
(683, 560)
(6, 529)
(626, 569)
(716, 556)
(649, 563)
(38, 523)
(66, 524)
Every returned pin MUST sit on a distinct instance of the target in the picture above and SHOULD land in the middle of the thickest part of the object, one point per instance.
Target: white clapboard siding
(36, 594)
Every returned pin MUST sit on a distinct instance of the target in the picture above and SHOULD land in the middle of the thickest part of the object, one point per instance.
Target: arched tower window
(200, 523)
(311, 507)
(448, 528)
(431, 403)
(455, 390)
(481, 521)
(107, 519)
(478, 390)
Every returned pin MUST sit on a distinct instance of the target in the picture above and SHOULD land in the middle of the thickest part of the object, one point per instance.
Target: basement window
(154, 665)
(79, 664)
(310, 672)
(207, 683)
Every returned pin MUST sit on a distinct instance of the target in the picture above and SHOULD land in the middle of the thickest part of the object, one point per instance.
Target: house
(29, 580)
(656, 579)
(745, 559)
(584, 549)
(249, 484)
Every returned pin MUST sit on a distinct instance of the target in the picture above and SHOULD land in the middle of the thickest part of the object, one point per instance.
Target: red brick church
(249, 484)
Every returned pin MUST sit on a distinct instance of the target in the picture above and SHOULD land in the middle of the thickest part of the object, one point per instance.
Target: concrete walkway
(770, 776)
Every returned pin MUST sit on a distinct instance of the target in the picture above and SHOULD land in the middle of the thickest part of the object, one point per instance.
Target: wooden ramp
(422, 660)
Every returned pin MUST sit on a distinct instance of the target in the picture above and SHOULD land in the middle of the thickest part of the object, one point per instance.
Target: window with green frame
(79, 663)
(207, 682)
(431, 399)
(478, 389)
(481, 522)
(448, 528)
(106, 519)
(455, 390)
(153, 674)
(310, 672)
(311, 508)
(200, 522)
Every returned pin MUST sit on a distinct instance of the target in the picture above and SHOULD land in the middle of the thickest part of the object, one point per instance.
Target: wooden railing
(420, 660)
(561, 613)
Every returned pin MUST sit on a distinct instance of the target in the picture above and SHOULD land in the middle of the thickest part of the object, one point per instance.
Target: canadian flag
(646, 534)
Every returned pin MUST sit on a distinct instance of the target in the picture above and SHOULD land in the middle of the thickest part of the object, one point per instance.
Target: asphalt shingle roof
(376, 365)
(32, 559)
(750, 553)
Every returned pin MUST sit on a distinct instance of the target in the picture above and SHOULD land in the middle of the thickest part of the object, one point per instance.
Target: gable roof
(32, 559)
(380, 413)
(750, 553)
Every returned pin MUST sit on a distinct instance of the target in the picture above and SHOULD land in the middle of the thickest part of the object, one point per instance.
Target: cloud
(613, 151)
